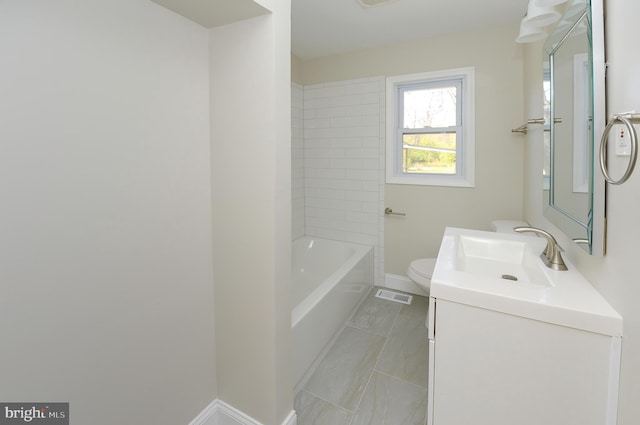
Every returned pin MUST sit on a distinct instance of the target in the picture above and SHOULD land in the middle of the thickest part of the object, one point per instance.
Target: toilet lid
(423, 267)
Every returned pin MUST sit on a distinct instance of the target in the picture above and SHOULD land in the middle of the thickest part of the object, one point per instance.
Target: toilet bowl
(421, 270)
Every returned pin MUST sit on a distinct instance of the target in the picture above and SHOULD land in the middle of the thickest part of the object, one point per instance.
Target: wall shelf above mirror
(574, 84)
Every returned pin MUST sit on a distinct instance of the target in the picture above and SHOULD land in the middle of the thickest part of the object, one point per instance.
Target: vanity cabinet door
(491, 368)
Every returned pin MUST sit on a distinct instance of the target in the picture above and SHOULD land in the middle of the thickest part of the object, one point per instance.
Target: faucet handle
(551, 256)
(551, 241)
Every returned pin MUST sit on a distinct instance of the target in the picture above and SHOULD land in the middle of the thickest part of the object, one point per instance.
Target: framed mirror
(574, 195)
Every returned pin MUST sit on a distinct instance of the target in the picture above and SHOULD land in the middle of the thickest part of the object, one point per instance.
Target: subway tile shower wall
(343, 137)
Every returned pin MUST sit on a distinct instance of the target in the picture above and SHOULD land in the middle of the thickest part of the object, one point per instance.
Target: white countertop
(570, 300)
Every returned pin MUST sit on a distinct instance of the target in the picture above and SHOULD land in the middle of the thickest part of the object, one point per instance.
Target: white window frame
(465, 136)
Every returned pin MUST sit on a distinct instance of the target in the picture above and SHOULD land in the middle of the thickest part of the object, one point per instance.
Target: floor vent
(394, 296)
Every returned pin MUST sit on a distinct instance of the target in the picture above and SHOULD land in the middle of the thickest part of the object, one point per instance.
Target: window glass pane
(547, 101)
(429, 153)
(430, 107)
(546, 163)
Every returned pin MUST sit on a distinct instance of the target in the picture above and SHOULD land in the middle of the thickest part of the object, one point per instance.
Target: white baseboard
(208, 416)
(402, 283)
(221, 413)
(292, 419)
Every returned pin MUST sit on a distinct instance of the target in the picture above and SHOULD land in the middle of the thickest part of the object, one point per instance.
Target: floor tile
(375, 373)
(375, 315)
(312, 410)
(406, 353)
(417, 309)
(342, 375)
(389, 400)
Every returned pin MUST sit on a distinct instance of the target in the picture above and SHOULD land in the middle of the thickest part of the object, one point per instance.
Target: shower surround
(338, 152)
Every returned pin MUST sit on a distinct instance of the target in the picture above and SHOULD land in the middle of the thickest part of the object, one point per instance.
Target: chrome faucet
(551, 256)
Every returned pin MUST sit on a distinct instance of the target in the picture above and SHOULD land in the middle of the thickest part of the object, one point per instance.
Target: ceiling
(214, 13)
(328, 27)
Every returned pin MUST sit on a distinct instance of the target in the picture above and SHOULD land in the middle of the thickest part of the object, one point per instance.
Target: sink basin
(493, 256)
(503, 272)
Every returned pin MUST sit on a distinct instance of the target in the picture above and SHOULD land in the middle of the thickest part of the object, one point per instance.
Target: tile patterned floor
(375, 373)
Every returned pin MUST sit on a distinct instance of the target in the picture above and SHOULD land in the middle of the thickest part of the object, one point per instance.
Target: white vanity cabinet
(513, 342)
(488, 367)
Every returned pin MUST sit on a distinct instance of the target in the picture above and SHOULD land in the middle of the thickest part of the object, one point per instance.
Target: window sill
(422, 180)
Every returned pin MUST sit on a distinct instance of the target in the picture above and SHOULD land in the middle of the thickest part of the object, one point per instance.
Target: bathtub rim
(299, 311)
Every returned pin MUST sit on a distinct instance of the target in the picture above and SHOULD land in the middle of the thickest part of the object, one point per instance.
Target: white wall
(105, 253)
(296, 69)
(297, 161)
(251, 187)
(498, 192)
(616, 274)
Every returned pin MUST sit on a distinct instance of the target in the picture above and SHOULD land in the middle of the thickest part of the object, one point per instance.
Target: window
(546, 163)
(430, 128)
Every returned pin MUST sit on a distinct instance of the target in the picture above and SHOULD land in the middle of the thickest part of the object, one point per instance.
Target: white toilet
(421, 270)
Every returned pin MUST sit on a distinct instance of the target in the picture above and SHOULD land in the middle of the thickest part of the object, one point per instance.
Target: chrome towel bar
(389, 211)
(524, 127)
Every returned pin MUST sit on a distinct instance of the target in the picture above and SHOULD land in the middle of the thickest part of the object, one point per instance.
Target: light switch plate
(622, 140)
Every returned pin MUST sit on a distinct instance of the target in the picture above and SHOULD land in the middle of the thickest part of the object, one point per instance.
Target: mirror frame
(596, 227)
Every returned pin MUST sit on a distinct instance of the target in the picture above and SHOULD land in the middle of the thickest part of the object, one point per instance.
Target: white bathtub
(330, 278)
